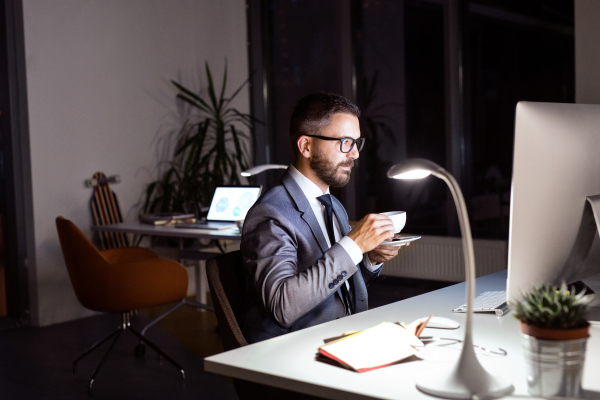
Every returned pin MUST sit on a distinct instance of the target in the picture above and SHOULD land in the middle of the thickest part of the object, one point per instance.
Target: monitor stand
(593, 282)
(576, 267)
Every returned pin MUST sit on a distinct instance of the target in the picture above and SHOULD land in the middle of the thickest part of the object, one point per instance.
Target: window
(398, 60)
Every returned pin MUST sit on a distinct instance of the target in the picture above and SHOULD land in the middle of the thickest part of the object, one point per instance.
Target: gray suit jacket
(291, 274)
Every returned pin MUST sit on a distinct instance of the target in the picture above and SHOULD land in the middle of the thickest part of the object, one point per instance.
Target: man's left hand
(384, 253)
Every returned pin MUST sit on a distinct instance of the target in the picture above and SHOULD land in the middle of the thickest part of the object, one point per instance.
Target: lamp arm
(467, 239)
(467, 379)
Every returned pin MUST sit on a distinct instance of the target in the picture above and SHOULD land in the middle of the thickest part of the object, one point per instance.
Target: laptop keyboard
(206, 225)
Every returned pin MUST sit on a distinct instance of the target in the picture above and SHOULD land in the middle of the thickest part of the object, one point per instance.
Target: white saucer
(393, 244)
(396, 243)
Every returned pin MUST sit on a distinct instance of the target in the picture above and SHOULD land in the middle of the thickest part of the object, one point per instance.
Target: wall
(441, 258)
(100, 100)
(587, 51)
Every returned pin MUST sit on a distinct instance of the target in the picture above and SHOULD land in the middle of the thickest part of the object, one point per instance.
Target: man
(303, 264)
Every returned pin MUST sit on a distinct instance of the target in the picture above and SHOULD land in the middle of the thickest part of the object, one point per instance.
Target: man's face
(327, 161)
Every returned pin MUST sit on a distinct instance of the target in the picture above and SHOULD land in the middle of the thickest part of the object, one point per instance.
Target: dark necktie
(343, 290)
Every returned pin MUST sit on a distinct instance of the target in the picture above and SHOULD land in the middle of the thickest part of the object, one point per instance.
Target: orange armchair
(119, 280)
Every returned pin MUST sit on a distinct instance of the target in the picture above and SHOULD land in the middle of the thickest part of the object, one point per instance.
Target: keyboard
(488, 302)
(213, 225)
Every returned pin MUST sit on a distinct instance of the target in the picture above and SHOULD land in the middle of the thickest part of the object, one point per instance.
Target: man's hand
(384, 253)
(370, 231)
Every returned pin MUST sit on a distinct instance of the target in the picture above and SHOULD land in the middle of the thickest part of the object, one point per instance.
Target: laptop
(229, 204)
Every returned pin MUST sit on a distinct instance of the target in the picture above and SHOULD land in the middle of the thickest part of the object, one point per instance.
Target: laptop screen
(231, 203)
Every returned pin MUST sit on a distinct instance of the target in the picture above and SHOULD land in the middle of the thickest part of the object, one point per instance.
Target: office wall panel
(587, 52)
(100, 99)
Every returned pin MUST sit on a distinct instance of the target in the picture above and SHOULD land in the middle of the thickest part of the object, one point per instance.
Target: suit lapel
(304, 207)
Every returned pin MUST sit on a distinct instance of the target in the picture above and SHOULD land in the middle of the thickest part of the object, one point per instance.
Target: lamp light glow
(261, 168)
(414, 174)
(467, 379)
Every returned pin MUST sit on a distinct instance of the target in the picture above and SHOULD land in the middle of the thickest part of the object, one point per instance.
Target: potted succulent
(555, 332)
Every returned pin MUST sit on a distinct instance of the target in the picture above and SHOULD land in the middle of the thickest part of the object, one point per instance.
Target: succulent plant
(549, 307)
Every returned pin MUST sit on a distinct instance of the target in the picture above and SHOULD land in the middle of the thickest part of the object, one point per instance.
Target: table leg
(198, 279)
(180, 251)
(201, 288)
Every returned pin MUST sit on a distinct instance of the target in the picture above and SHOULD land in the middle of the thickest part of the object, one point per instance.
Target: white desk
(139, 228)
(288, 361)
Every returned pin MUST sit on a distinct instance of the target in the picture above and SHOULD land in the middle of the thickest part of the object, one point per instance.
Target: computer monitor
(556, 166)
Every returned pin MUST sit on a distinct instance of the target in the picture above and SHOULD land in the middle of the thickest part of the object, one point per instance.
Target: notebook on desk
(229, 204)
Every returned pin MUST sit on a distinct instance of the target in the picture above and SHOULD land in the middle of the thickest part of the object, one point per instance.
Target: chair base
(125, 326)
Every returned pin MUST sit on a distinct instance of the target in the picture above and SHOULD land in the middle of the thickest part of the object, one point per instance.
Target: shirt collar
(308, 187)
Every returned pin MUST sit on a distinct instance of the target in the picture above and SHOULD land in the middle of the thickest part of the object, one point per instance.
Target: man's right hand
(370, 231)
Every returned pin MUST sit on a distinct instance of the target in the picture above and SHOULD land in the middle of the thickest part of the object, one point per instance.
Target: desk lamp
(261, 168)
(467, 378)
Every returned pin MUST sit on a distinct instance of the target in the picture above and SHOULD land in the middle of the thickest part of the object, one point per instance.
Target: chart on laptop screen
(232, 203)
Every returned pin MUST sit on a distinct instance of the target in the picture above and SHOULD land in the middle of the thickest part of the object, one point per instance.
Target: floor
(35, 363)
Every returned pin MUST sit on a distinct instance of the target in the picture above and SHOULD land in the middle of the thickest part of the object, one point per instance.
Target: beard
(330, 174)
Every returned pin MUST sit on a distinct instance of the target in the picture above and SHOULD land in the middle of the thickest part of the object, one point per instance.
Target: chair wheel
(140, 350)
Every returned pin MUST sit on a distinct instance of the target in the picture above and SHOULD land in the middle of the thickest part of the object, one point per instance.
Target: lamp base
(467, 379)
(448, 386)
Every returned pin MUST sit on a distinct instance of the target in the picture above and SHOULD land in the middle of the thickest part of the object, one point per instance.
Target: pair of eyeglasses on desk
(449, 342)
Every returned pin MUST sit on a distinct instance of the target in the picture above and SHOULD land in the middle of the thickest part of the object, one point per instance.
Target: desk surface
(288, 361)
(170, 230)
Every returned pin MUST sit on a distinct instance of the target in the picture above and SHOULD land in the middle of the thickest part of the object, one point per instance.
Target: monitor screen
(556, 166)
(231, 203)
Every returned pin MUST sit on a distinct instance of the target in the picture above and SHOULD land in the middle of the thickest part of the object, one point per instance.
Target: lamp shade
(414, 168)
(261, 168)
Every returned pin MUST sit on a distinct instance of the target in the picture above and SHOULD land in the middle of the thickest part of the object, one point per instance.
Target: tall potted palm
(211, 151)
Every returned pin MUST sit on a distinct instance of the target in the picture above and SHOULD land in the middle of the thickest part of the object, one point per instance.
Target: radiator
(441, 258)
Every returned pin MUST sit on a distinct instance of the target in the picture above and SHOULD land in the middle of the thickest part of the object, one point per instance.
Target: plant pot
(554, 360)
(555, 334)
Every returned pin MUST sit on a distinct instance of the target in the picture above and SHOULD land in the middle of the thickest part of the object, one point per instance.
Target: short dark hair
(313, 113)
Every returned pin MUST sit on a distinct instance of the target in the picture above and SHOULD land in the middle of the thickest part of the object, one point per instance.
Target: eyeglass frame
(354, 142)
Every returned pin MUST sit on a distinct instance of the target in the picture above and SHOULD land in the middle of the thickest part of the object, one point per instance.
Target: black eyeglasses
(346, 144)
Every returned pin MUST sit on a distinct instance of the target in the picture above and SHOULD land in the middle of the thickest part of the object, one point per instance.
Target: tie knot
(325, 200)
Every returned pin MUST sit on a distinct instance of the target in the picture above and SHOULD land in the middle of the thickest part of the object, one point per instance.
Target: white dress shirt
(312, 191)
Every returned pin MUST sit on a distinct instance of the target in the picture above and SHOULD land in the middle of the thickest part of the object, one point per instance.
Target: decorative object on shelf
(555, 333)
(211, 151)
(467, 379)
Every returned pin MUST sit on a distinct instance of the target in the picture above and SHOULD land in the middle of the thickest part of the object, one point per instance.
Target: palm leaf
(211, 89)
(193, 97)
(221, 96)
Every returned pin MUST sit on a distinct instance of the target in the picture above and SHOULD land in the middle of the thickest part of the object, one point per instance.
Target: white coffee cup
(398, 218)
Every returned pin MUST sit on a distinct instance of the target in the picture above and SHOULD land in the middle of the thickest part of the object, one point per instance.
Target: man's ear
(304, 146)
